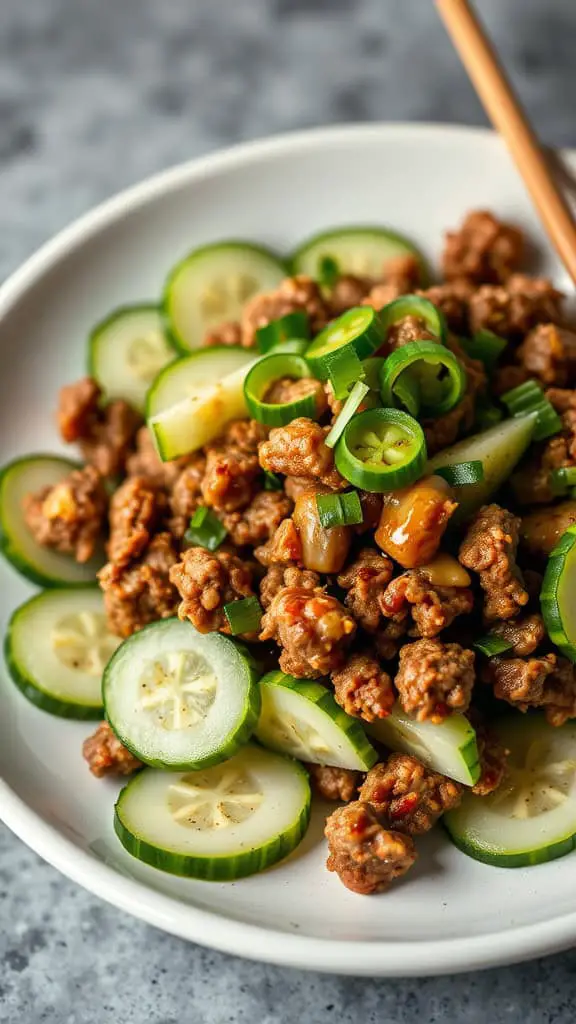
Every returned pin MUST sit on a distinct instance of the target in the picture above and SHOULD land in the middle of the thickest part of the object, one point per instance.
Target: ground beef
(299, 450)
(141, 592)
(433, 608)
(106, 755)
(70, 516)
(295, 294)
(186, 494)
(136, 512)
(363, 689)
(284, 548)
(229, 481)
(295, 486)
(105, 433)
(401, 275)
(505, 378)
(348, 291)
(541, 530)
(434, 679)
(312, 628)
(547, 682)
(451, 298)
(525, 635)
(389, 639)
(548, 352)
(277, 577)
(489, 549)
(484, 249)
(381, 294)
(245, 435)
(366, 580)
(260, 520)
(145, 461)
(514, 309)
(334, 783)
(408, 329)
(409, 795)
(206, 581)
(287, 389)
(414, 520)
(227, 333)
(492, 755)
(365, 855)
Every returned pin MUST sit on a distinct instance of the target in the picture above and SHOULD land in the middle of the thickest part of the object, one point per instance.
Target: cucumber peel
(557, 594)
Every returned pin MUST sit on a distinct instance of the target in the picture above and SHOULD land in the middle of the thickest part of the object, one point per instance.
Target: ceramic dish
(451, 913)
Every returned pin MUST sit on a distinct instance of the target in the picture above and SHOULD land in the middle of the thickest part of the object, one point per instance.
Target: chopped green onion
(372, 369)
(358, 330)
(492, 644)
(339, 509)
(260, 379)
(344, 370)
(272, 482)
(459, 474)
(293, 325)
(294, 346)
(486, 415)
(243, 616)
(416, 306)
(562, 480)
(381, 450)
(485, 346)
(205, 530)
(529, 398)
(354, 400)
(424, 376)
(328, 272)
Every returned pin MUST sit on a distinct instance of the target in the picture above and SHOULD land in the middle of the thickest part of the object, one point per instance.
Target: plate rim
(399, 958)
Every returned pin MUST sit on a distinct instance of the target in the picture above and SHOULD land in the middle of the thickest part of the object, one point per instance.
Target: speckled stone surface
(94, 95)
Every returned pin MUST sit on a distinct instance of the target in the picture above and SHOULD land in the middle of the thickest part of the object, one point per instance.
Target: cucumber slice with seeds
(449, 748)
(220, 823)
(531, 817)
(41, 565)
(185, 377)
(354, 250)
(302, 719)
(181, 699)
(212, 285)
(57, 647)
(127, 351)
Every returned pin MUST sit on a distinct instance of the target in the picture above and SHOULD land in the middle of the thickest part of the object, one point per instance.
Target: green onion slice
(492, 644)
(485, 346)
(243, 616)
(486, 415)
(372, 369)
(459, 474)
(344, 370)
(381, 450)
(414, 305)
(205, 530)
(339, 509)
(529, 398)
(328, 272)
(354, 400)
(423, 376)
(272, 482)
(358, 329)
(293, 325)
(260, 379)
(562, 480)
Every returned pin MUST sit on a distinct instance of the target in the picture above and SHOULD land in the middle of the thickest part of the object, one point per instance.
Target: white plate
(450, 913)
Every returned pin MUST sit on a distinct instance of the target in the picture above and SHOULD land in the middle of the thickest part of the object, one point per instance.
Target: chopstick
(504, 110)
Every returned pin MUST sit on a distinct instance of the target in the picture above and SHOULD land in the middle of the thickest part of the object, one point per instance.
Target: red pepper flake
(403, 806)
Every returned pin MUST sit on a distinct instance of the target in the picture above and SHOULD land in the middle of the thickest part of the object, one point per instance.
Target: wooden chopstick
(504, 110)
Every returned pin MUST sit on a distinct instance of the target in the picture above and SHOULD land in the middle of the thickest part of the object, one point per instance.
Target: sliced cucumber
(217, 824)
(354, 250)
(41, 565)
(196, 420)
(181, 699)
(302, 719)
(212, 285)
(531, 817)
(57, 647)
(558, 592)
(127, 351)
(499, 449)
(184, 377)
(449, 748)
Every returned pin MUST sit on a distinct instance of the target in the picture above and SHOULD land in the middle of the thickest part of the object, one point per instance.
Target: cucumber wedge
(40, 565)
(184, 377)
(449, 748)
(558, 592)
(531, 817)
(218, 824)
(499, 449)
(212, 285)
(181, 699)
(127, 351)
(193, 422)
(56, 648)
(302, 719)
(354, 250)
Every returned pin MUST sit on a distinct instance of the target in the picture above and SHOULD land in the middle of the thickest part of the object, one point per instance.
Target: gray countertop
(94, 95)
